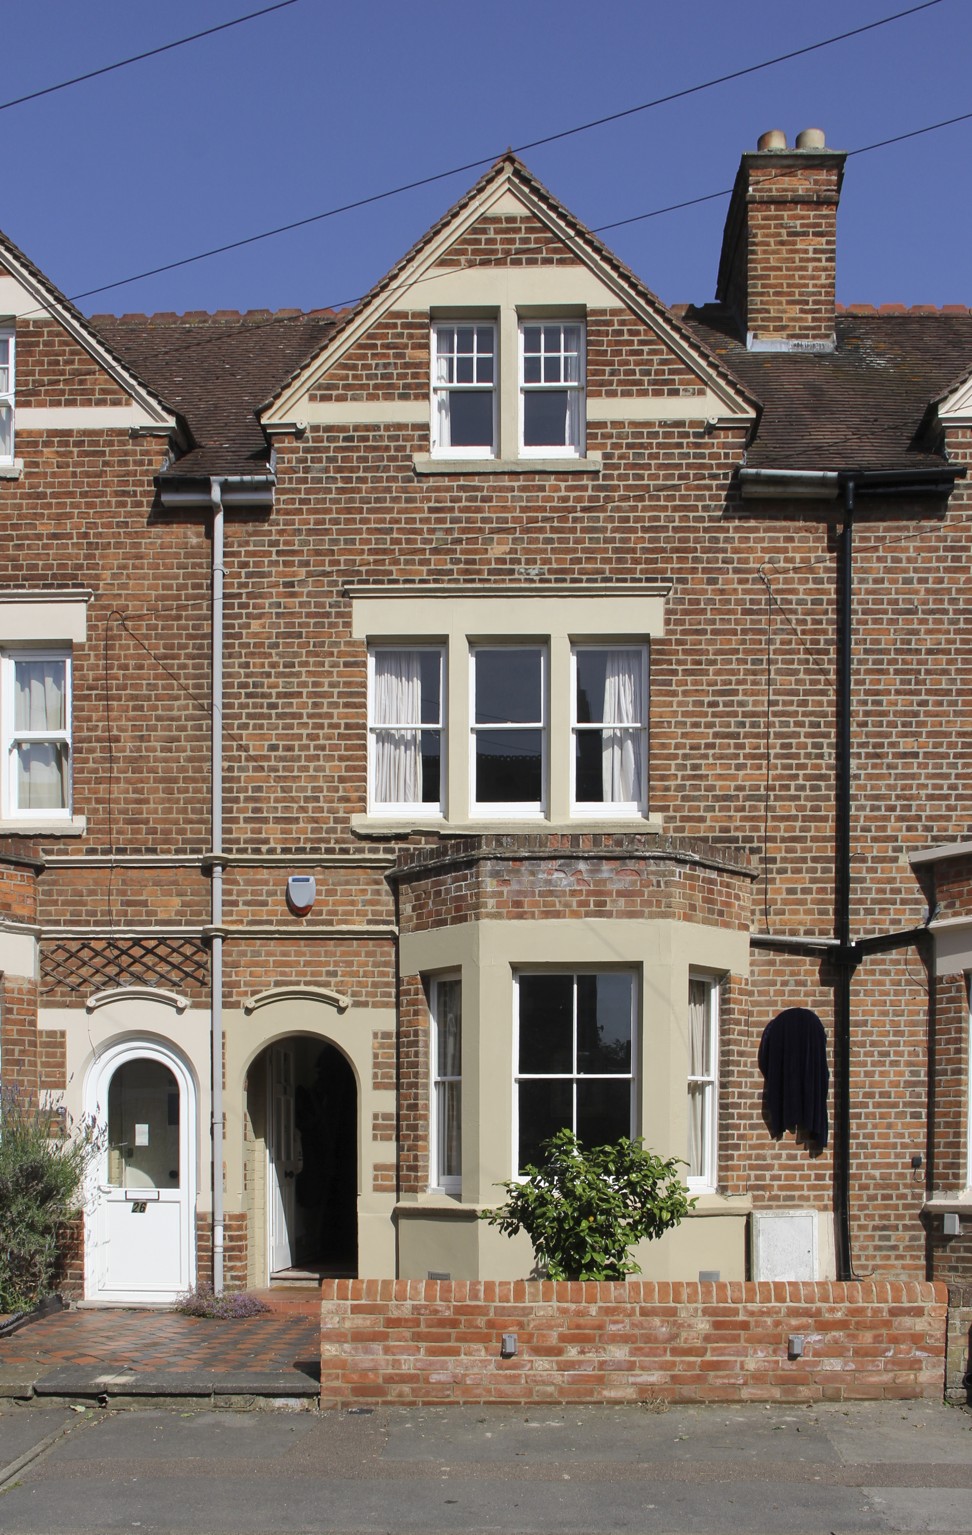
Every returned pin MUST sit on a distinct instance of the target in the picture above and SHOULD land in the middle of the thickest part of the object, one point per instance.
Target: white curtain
(622, 768)
(698, 1067)
(398, 703)
(40, 704)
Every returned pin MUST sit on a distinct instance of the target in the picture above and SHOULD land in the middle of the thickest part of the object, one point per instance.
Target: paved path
(440, 1471)
(118, 1354)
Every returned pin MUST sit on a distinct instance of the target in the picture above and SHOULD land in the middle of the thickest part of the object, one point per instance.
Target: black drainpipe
(845, 958)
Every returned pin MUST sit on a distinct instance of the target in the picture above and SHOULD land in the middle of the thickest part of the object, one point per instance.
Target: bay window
(574, 1058)
(703, 1042)
(446, 1137)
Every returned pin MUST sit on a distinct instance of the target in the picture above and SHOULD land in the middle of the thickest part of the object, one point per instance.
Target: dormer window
(464, 390)
(551, 388)
(6, 396)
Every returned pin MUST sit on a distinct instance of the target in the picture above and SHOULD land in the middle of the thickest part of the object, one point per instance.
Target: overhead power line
(150, 53)
(472, 165)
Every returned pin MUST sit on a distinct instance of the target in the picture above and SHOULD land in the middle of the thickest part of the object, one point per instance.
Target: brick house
(484, 710)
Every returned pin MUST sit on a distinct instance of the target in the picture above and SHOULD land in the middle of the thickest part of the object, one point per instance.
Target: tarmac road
(882, 1467)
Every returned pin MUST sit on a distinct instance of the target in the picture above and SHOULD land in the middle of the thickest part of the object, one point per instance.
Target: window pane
(471, 419)
(42, 777)
(430, 677)
(509, 686)
(40, 695)
(697, 1149)
(604, 1023)
(448, 1030)
(143, 1127)
(545, 1108)
(603, 1111)
(450, 1130)
(591, 667)
(6, 430)
(546, 419)
(431, 786)
(546, 1023)
(589, 776)
(509, 766)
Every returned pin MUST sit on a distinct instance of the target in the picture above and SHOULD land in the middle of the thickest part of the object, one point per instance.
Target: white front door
(140, 1238)
(283, 1157)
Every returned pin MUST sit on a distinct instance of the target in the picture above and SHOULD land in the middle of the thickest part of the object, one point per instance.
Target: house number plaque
(139, 1206)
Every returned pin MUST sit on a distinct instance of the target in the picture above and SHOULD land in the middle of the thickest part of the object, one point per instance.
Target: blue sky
(321, 103)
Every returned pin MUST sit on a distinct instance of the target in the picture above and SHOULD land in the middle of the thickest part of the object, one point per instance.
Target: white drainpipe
(217, 884)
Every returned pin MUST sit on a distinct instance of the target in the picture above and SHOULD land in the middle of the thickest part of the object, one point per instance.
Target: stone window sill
(75, 827)
(12, 471)
(373, 826)
(423, 463)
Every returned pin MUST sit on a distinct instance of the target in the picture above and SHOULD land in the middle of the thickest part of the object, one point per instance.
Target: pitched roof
(862, 406)
(14, 260)
(214, 369)
(510, 166)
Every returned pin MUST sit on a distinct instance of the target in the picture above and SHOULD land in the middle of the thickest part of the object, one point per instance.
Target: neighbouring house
(484, 710)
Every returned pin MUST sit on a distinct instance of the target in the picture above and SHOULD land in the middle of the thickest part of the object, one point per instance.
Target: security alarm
(301, 893)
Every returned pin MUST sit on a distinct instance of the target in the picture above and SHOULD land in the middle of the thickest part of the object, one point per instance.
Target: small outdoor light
(795, 1344)
(301, 893)
(508, 1345)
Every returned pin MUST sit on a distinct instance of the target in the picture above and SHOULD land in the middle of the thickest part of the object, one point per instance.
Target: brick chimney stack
(779, 247)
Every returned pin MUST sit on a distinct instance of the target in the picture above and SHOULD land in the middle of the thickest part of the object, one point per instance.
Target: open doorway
(302, 1106)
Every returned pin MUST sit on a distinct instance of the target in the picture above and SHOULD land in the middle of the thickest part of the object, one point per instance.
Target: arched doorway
(139, 1237)
(302, 1112)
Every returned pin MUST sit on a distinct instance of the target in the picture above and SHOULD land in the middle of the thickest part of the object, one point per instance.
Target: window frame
(438, 448)
(9, 657)
(631, 1076)
(705, 1181)
(511, 809)
(610, 809)
(8, 395)
(430, 809)
(446, 1183)
(578, 388)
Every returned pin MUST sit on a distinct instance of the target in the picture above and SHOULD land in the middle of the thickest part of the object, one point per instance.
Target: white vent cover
(785, 1244)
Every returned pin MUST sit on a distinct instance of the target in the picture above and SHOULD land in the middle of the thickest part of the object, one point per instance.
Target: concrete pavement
(881, 1467)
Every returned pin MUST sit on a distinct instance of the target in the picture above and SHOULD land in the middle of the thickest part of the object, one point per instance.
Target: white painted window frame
(510, 810)
(8, 342)
(708, 1084)
(608, 809)
(447, 1183)
(440, 449)
(420, 809)
(578, 388)
(574, 1076)
(11, 737)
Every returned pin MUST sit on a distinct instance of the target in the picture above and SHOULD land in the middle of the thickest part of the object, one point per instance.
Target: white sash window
(37, 728)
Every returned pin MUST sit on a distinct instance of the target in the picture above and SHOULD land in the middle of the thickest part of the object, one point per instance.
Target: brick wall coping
(22, 861)
(465, 852)
(645, 1292)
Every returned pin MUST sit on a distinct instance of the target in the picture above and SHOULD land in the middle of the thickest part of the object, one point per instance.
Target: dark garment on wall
(793, 1060)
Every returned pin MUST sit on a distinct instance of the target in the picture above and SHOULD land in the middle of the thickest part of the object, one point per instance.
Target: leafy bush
(43, 1164)
(203, 1301)
(583, 1209)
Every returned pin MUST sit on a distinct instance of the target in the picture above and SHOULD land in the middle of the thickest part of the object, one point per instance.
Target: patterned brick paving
(161, 1343)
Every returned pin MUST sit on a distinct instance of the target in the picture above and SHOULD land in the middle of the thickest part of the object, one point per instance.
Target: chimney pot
(775, 139)
(811, 138)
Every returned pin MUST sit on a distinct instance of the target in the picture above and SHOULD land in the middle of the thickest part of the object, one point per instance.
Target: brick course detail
(419, 1341)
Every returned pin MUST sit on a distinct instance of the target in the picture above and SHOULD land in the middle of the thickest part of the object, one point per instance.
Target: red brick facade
(740, 760)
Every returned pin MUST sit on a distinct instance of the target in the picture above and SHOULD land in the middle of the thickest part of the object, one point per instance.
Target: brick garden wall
(419, 1341)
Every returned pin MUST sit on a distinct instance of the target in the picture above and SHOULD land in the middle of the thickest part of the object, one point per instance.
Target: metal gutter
(216, 906)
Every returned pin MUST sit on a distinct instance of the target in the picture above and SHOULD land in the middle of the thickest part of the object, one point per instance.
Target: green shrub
(583, 1209)
(43, 1164)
